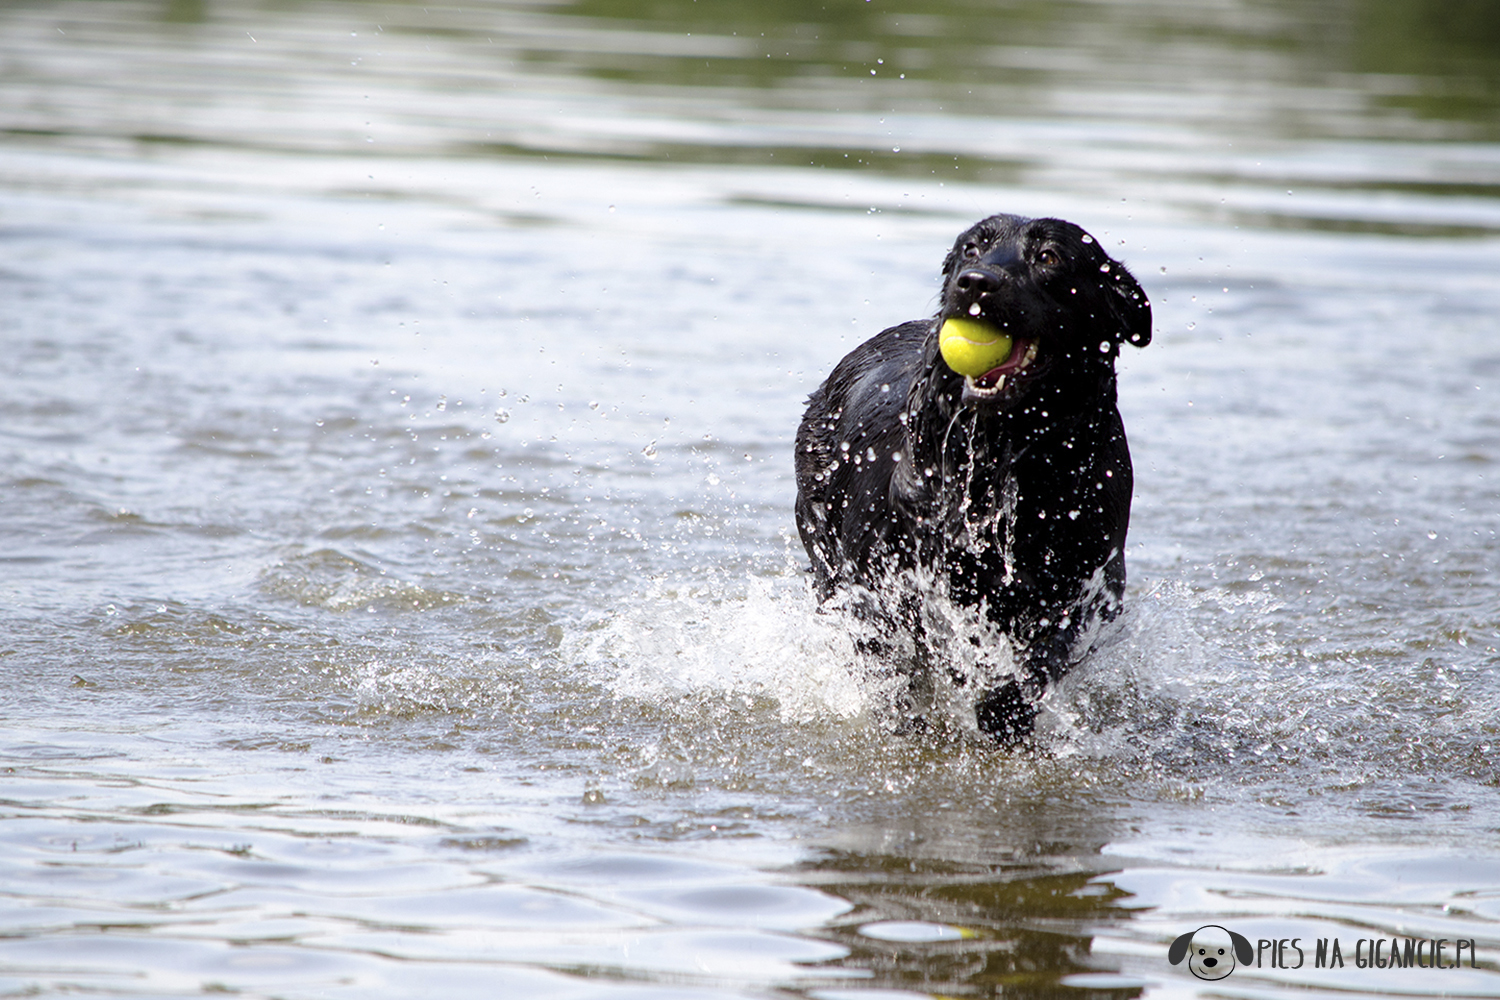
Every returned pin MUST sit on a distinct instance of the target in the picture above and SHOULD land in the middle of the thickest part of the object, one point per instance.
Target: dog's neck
(943, 433)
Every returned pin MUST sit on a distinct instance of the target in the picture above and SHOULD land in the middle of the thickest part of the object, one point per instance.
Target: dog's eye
(1047, 257)
(971, 250)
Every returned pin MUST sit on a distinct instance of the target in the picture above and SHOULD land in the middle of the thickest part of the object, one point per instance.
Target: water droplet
(501, 416)
(974, 309)
(650, 450)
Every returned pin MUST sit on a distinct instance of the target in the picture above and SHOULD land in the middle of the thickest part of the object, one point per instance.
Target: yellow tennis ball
(971, 347)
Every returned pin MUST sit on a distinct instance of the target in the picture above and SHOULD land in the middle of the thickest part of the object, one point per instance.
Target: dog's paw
(1007, 714)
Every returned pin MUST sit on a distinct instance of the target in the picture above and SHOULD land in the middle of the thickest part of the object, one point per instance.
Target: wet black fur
(929, 509)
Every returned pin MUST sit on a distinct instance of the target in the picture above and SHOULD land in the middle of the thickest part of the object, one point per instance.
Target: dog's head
(1045, 288)
(1211, 951)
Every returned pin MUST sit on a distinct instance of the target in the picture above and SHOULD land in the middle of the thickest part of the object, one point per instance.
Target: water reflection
(1025, 58)
(1447, 55)
(951, 929)
(1187, 104)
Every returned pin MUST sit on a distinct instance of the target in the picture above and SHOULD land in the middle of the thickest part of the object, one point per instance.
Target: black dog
(1005, 490)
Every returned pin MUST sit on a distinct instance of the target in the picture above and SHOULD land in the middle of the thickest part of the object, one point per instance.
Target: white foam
(1189, 684)
(770, 641)
(767, 638)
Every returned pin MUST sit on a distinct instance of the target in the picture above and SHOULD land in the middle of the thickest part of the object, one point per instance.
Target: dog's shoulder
(875, 371)
(861, 398)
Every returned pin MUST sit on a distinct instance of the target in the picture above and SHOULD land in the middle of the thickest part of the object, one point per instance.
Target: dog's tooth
(999, 383)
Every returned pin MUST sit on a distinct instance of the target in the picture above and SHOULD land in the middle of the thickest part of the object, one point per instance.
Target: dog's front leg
(1008, 712)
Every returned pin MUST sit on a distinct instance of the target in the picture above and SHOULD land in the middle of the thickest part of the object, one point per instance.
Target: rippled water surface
(401, 596)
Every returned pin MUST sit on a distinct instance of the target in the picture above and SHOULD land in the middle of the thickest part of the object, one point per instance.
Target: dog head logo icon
(1211, 951)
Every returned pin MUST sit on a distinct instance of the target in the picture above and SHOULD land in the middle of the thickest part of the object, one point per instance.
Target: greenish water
(401, 596)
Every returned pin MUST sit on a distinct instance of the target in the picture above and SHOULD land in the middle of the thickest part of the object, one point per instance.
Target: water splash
(1190, 691)
(679, 640)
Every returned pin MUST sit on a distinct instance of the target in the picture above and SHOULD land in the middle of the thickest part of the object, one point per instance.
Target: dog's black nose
(978, 282)
(1210, 962)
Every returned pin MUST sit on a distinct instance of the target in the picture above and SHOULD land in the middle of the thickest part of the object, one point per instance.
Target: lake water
(401, 596)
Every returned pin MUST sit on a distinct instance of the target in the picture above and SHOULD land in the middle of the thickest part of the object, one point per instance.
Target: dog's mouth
(993, 383)
(987, 353)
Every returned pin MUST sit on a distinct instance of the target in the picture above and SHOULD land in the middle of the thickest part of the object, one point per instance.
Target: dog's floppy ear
(1130, 304)
(1242, 949)
(1179, 949)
